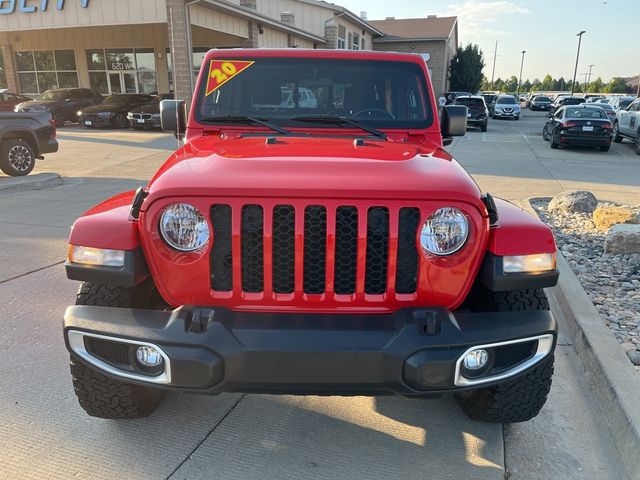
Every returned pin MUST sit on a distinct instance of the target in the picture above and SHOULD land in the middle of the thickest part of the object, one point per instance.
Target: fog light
(148, 356)
(96, 256)
(476, 359)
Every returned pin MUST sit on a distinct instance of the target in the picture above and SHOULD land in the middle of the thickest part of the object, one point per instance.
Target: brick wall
(180, 51)
(438, 61)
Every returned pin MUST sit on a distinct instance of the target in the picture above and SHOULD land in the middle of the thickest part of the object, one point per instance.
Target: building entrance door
(122, 82)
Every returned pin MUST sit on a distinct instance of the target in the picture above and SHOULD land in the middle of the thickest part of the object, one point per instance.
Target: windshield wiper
(246, 119)
(337, 119)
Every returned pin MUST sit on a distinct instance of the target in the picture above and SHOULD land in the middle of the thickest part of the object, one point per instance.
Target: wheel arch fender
(109, 225)
(518, 233)
(23, 134)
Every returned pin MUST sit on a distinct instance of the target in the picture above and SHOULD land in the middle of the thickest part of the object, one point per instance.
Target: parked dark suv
(477, 113)
(113, 111)
(62, 103)
(8, 100)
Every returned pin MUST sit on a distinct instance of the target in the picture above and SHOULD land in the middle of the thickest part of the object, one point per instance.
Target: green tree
(526, 86)
(562, 84)
(596, 86)
(498, 84)
(486, 84)
(466, 69)
(616, 85)
(511, 84)
(535, 85)
(547, 83)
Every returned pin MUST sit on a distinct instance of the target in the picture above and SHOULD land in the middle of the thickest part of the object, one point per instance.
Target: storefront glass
(42, 70)
(124, 70)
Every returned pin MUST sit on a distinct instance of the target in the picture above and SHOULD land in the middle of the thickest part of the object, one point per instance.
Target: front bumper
(502, 114)
(415, 351)
(95, 121)
(144, 122)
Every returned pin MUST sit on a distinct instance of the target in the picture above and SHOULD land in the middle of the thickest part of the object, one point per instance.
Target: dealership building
(146, 46)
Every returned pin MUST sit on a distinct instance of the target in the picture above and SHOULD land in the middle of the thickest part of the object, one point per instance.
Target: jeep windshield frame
(377, 94)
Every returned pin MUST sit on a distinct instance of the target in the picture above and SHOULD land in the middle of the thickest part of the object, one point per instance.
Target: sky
(545, 29)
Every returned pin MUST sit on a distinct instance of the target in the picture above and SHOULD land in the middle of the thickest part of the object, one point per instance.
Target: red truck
(329, 247)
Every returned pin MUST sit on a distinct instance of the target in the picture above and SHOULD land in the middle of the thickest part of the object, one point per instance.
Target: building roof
(430, 28)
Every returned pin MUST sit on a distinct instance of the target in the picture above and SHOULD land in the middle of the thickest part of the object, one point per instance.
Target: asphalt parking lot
(45, 434)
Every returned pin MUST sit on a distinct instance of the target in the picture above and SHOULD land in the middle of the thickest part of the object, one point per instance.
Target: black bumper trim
(310, 353)
(134, 272)
(492, 276)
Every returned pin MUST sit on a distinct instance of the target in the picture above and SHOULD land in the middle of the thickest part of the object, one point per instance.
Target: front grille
(264, 243)
(146, 116)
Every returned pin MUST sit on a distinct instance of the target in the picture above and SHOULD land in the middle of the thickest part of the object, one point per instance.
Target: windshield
(542, 99)
(507, 100)
(594, 112)
(376, 93)
(470, 102)
(53, 95)
(624, 103)
(118, 99)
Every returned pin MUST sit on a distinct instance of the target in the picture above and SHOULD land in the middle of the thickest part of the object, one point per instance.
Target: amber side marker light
(537, 263)
(96, 256)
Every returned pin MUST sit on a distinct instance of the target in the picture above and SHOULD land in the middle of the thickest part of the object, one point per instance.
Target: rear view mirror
(172, 116)
(453, 122)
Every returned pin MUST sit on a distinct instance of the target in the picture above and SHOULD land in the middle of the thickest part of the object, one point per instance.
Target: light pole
(493, 71)
(575, 71)
(520, 78)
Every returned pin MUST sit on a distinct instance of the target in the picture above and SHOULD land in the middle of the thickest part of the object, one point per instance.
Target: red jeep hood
(314, 167)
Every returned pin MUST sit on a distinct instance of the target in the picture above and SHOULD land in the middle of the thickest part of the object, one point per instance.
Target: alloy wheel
(20, 158)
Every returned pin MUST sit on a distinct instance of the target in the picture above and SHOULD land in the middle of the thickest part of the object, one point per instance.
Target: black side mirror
(172, 116)
(453, 122)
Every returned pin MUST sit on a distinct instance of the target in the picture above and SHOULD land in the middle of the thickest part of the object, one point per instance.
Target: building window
(363, 44)
(122, 70)
(43, 70)
(3, 77)
(342, 40)
(356, 42)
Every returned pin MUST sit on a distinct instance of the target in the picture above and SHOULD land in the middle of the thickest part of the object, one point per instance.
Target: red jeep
(329, 247)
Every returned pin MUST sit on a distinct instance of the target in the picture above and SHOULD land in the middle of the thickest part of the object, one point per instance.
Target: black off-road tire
(514, 401)
(17, 157)
(638, 142)
(552, 139)
(521, 398)
(104, 397)
(616, 133)
(101, 396)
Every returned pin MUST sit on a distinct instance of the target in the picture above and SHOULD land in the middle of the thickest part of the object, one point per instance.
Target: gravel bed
(612, 281)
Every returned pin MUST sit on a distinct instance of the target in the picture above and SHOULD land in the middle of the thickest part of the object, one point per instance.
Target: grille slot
(508, 356)
(221, 259)
(252, 249)
(407, 260)
(346, 256)
(315, 248)
(115, 353)
(375, 281)
(284, 218)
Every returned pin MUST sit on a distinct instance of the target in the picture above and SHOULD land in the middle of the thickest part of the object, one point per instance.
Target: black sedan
(113, 111)
(148, 114)
(584, 125)
(540, 102)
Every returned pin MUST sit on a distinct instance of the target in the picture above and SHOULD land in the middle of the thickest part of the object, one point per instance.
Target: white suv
(506, 106)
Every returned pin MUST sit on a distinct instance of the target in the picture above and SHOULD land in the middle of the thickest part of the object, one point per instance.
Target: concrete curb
(612, 378)
(29, 182)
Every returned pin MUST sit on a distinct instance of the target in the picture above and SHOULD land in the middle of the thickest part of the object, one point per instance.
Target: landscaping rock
(623, 239)
(605, 217)
(578, 201)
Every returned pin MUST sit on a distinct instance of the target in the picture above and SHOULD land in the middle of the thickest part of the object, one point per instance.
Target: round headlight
(444, 232)
(183, 227)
